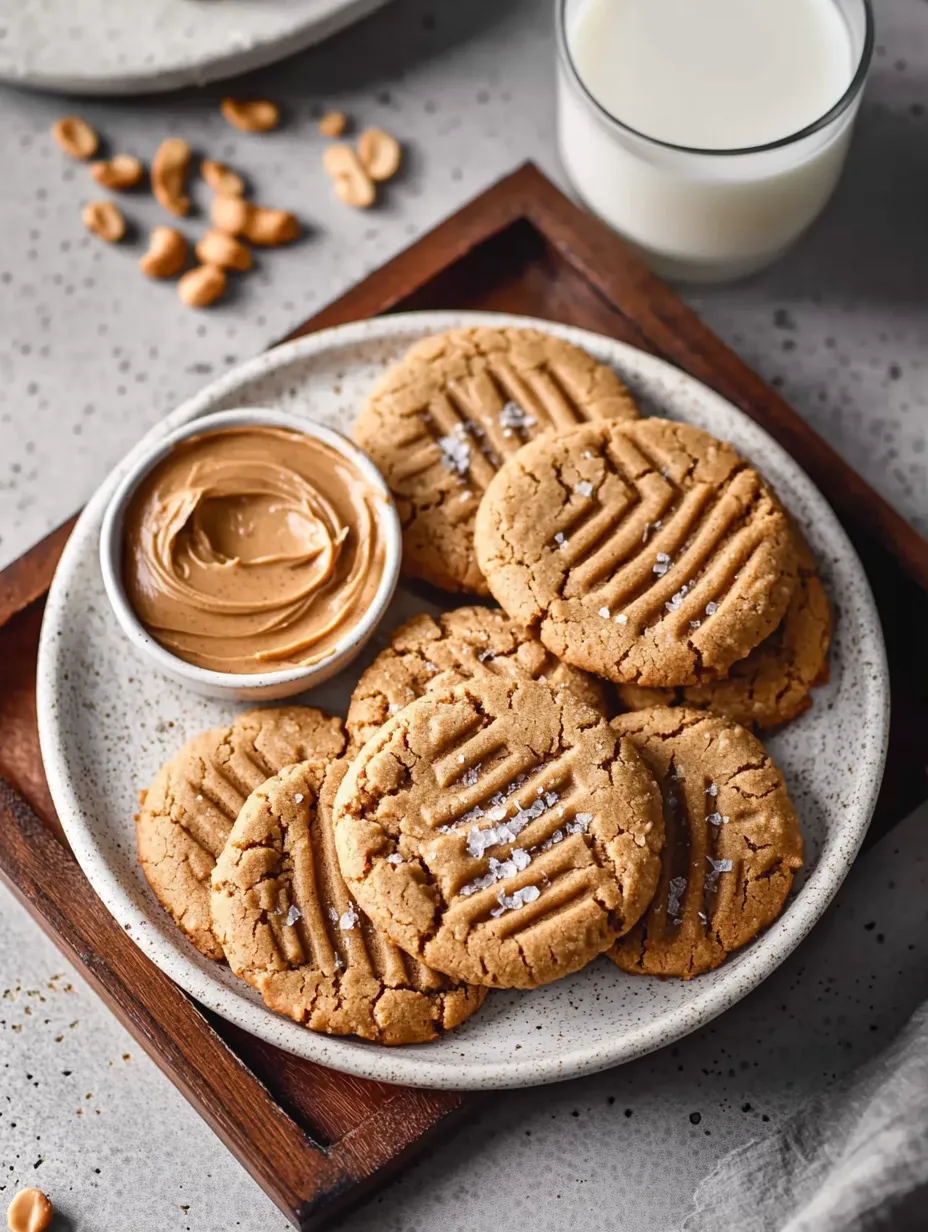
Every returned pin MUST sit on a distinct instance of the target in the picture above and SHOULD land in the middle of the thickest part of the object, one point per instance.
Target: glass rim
(833, 113)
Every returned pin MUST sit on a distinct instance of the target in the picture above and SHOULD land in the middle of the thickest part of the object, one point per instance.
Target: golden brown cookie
(772, 685)
(647, 552)
(733, 842)
(290, 928)
(435, 652)
(189, 809)
(500, 831)
(440, 422)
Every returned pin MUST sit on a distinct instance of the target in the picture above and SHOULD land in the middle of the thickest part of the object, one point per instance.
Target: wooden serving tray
(314, 1139)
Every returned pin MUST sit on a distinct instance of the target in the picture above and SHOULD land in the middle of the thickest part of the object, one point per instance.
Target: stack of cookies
(484, 818)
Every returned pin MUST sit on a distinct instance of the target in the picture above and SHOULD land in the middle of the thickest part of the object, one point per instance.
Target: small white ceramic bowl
(247, 686)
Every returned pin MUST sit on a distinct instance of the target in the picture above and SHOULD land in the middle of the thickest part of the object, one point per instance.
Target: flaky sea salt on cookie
(441, 421)
(500, 831)
(435, 652)
(290, 928)
(188, 811)
(772, 685)
(732, 847)
(648, 552)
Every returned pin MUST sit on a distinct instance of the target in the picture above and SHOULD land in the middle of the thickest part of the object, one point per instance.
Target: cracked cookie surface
(772, 685)
(290, 928)
(733, 842)
(188, 811)
(501, 831)
(440, 422)
(648, 552)
(435, 652)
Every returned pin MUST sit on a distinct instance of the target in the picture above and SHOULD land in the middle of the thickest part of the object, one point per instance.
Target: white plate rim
(329, 17)
(411, 1065)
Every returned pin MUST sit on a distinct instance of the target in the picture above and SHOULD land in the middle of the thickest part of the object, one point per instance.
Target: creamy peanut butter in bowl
(251, 554)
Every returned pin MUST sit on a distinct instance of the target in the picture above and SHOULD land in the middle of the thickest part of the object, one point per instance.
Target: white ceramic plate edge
(336, 16)
(412, 1064)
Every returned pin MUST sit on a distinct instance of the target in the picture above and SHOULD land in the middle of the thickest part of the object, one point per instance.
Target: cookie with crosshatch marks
(772, 685)
(733, 842)
(290, 928)
(433, 652)
(648, 552)
(440, 422)
(188, 811)
(500, 831)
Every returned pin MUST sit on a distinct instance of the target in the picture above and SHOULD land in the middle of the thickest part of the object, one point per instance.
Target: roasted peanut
(169, 175)
(30, 1211)
(230, 214)
(218, 248)
(352, 183)
(105, 219)
(251, 115)
(333, 124)
(167, 253)
(379, 153)
(221, 179)
(76, 137)
(202, 286)
(267, 228)
(119, 172)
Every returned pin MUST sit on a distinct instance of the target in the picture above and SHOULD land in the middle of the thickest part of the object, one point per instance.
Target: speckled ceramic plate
(142, 46)
(107, 723)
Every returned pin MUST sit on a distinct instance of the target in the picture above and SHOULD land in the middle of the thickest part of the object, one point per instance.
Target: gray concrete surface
(91, 355)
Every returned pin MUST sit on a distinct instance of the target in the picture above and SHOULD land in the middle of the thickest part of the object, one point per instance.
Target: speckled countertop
(91, 354)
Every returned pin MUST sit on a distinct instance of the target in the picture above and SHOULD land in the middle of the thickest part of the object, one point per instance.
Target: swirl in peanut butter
(252, 549)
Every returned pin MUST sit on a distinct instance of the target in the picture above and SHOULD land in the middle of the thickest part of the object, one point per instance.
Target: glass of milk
(709, 133)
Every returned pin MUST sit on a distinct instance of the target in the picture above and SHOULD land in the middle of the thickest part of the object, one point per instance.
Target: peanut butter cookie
(440, 422)
(290, 928)
(434, 652)
(647, 552)
(190, 808)
(733, 842)
(771, 686)
(500, 831)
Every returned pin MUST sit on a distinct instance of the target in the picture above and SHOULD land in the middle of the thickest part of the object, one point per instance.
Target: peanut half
(221, 179)
(76, 137)
(251, 115)
(202, 286)
(119, 172)
(104, 218)
(352, 183)
(255, 223)
(333, 124)
(380, 153)
(169, 175)
(30, 1211)
(218, 248)
(167, 253)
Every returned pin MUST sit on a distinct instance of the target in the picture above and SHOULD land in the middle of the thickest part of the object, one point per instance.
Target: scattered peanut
(105, 219)
(30, 1211)
(255, 223)
(167, 253)
(352, 183)
(119, 172)
(267, 228)
(251, 115)
(380, 153)
(218, 248)
(230, 214)
(202, 286)
(76, 137)
(169, 175)
(333, 124)
(221, 179)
